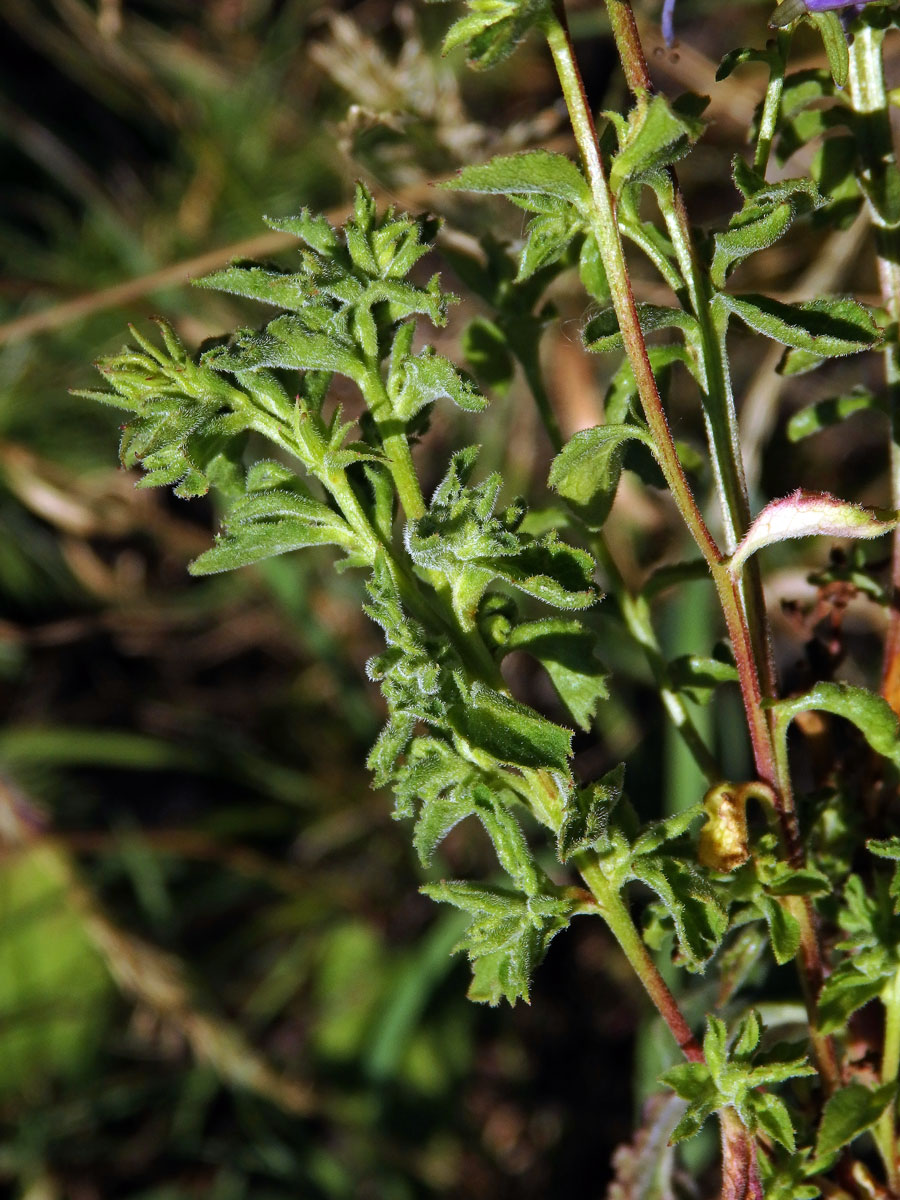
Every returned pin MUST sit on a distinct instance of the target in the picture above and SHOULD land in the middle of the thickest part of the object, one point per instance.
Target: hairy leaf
(586, 472)
(830, 328)
(657, 135)
(871, 714)
(602, 333)
(533, 176)
(566, 650)
(508, 936)
(848, 1113)
(809, 514)
(823, 413)
(587, 814)
(509, 731)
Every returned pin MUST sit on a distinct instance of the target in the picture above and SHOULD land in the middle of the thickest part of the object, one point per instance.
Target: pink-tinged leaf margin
(808, 514)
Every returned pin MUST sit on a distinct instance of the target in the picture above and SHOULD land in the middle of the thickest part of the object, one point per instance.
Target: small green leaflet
(656, 135)
(824, 413)
(510, 732)
(586, 472)
(272, 522)
(534, 177)
(508, 936)
(848, 1113)
(586, 819)
(731, 1078)
(871, 714)
(829, 328)
(566, 650)
(602, 334)
(766, 215)
(493, 29)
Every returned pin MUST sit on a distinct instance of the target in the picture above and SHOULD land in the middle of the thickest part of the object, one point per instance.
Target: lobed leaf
(566, 650)
(508, 936)
(585, 823)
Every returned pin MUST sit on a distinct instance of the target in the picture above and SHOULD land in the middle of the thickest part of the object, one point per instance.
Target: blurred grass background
(216, 975)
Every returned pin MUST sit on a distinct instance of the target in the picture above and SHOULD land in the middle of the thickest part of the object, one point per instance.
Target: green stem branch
(618, 918)
(886, 1129)
(879, 178)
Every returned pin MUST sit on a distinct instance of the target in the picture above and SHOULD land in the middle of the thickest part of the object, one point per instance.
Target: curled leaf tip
(806, 514)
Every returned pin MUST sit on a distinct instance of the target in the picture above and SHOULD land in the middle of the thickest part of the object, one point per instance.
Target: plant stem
(618, 918)
(396, 446)
(771, 110)
(747, 623)
(886, 1129)
(879, 178)
(605, 229)
(744, 609)
(634, 608)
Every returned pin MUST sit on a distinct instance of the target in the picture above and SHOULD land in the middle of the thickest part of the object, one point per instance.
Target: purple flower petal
(790, 10)
(668, 21)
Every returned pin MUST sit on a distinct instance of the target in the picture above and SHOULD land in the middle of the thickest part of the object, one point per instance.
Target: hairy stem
(771, 110)
(886, 1129)
(743, 603)
(605, 229)
(880, 180)
(633, 607)
(618, 918)
(396, 447)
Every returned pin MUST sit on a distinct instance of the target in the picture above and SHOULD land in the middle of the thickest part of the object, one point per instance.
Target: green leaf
(770, 1114)
(585, 822)
(508, 936)
(509, 731)
(871, 714)
(657, 135)
(552, 571)
(485, 346)
(767, 214)
(848, 1113)
(586, 471)
(699, 676)
(566, 650)
(700, 922)
(835, 42)
(494, 28)
(692, 1082)
(736, 58)
(602, 333)
(416, 381)
(592, 272)
(814, 417)
(808, 514)
(533, 176)
(830, 328)
(784, 929)
(547, 239)
(461, 536)
(272, 522)
(848, 989)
